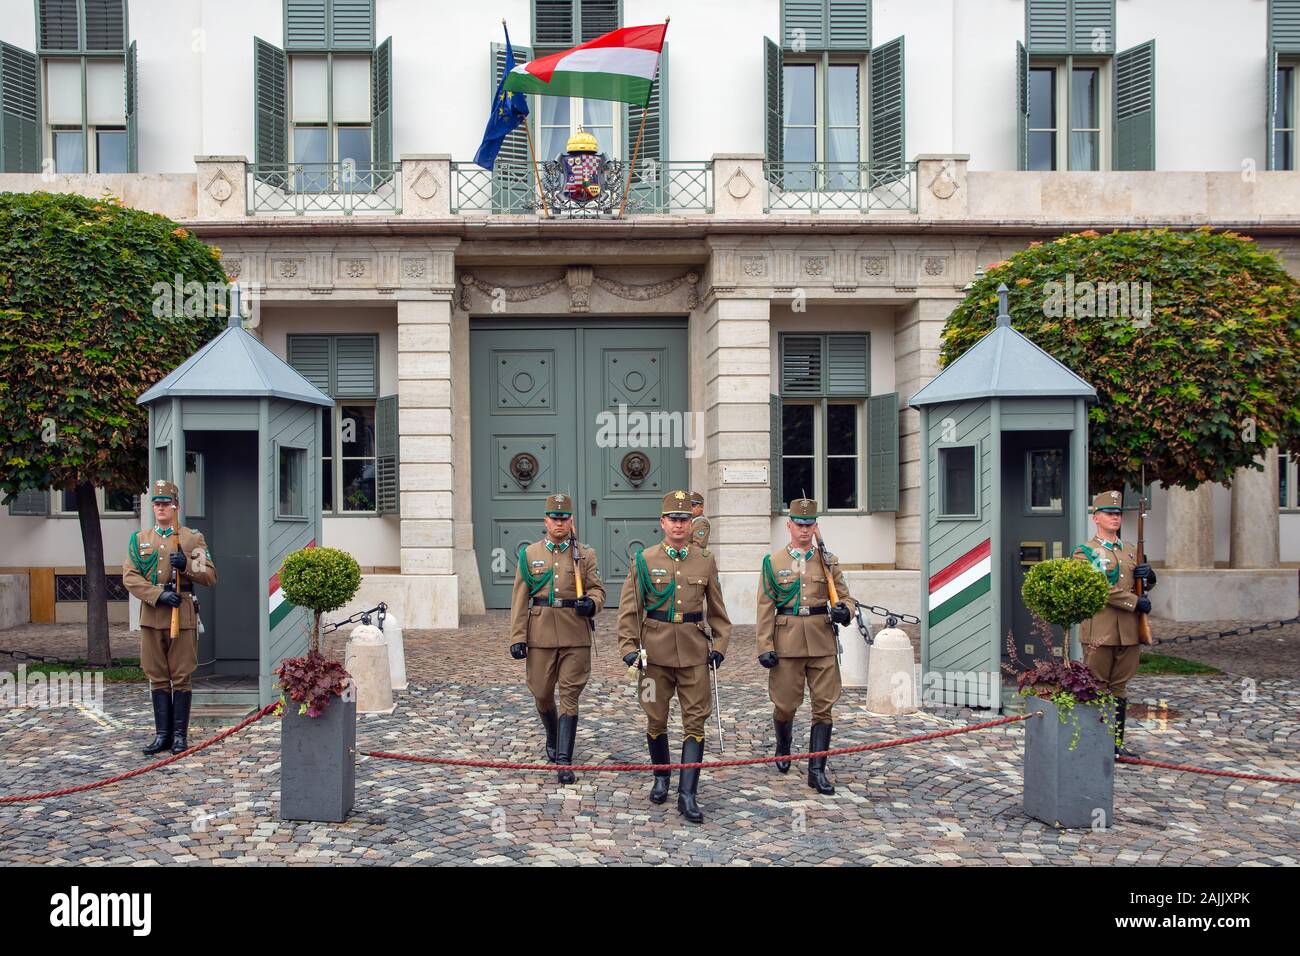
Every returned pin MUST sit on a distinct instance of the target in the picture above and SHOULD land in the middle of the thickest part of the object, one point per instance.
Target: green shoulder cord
(534, 582)
(148, 567)
(785, 595)
(653, 597)
(1112, 573)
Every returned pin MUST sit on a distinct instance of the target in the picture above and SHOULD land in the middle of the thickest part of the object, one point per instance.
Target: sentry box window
(957, 488)
(291, 483)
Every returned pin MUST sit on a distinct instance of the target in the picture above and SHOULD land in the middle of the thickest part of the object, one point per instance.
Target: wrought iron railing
(325, 188)
(510, 189)
(840, 187)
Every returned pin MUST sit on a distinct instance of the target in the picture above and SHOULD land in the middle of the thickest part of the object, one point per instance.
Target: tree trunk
(92, 543)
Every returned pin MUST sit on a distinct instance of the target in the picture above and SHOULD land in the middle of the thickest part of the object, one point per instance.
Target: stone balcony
(736, 193)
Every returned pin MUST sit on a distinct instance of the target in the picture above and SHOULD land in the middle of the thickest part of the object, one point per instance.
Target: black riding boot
(784, 735)
(564, 737)
(1121, 717)
(688, 781)
(663, 778)
(181, 720)
(819, 739)
(162, 722)
(549, 721)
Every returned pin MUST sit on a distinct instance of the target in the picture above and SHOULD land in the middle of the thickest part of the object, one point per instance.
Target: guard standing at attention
(178, 558)
(550, 625)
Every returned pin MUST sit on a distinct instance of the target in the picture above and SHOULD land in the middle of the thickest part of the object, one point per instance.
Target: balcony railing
(510, 189)
(840, 187)
(323, 188)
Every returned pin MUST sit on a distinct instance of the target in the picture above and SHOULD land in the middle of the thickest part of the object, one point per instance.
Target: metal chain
(363, 616)
(1209, 635)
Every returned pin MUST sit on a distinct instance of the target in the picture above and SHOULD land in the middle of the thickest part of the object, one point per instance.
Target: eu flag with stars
(508, 111)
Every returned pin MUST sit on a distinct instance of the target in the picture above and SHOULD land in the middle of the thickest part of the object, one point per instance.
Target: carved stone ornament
(875, 265)
(288, 268)
(935, 265)
(219, 187)
(353, 268)
(523, 468)
(739, 185)
(815, 266)
(415, 268)
(944, 183)
(754, 266)
(426, 184)
(653, 290)
(511, 293)
(232, 267)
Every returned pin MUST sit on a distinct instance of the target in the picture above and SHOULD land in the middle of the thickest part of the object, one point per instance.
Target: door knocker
(523, 468)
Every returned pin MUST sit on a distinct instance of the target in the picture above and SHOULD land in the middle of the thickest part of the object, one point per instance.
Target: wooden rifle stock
(1139, 586)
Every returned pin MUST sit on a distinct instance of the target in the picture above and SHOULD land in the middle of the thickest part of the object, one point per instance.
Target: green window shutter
(132, 86)
(803, 25)
(386, 456)
(381, 103)
(848, 370)
(356, 366)
(554, 25)
(1270, 103)
(270, 94)
(598, 17)
(57, 26)
(1093, 26)
(650, 178)
(1022, 106)
(1047, 26)
(1284, 25)
(105, 26)
(306, 25)
(1135, 107)
(801, 364)
(774, 456)
(774, 131)
(882, 452)
(512, 174)
(309, 356)
(20, 135)
(849, 24)
(352, 24)
(30, 503)
(887, 132)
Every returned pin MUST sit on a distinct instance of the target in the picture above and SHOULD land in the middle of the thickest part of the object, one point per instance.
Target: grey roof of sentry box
(235, 364)
(1003, 364)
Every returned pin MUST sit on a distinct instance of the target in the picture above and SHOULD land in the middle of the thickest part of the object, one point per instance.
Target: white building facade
(817, 182)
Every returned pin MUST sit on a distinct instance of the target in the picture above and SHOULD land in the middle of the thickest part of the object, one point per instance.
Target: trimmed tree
(83, 332)
(1192, 340)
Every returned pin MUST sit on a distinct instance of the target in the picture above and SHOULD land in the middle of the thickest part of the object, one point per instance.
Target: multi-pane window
(1284, 119)
(1076, 143)
(87, 133)
(350, 429)
(821, 111)
(820, 453)
(330, 117)
(560, 117)
(111, 501)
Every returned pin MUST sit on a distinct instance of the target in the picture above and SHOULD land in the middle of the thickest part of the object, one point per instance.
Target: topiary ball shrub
(320, 579)
(1064, 591)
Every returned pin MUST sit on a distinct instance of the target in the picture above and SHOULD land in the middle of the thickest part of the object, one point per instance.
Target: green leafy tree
(1198, 373)
(82, 335)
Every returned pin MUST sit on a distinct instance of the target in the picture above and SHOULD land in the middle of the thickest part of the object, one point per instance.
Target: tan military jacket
(145, 580)
(1117, 623)
(791, 636)
(668, 644)
(700, 531)
(554, 626)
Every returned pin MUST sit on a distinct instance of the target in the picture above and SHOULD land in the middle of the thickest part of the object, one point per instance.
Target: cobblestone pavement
(947, 802)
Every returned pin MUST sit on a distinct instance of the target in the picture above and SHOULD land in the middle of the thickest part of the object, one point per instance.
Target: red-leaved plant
(1062, 681)
(310, 681)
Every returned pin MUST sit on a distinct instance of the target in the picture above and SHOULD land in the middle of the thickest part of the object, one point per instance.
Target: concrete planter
(1064, 787)
(318, 762)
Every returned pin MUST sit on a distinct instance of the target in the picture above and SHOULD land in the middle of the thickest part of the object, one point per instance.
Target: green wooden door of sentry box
(596, 410)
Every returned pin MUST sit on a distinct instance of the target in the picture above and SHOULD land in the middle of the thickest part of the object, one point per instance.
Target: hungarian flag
(618, 66)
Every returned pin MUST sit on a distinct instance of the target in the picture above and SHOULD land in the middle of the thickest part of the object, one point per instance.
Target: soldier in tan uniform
(671, 589)
(550, 625)
(797, 640)
(700, 527)
(161, 568)
(1110, 639)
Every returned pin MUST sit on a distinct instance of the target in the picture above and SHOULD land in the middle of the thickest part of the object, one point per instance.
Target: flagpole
(645, 111)
(528, 130)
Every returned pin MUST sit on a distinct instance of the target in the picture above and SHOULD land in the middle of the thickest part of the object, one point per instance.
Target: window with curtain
(1076, 95)
(560, 117)
(330, 119)
(821, 110)
(86, 133)
(1284, 119)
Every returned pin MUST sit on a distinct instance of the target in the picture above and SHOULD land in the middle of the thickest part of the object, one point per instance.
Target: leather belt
(563, 602)
(690, 617)
(803, 611)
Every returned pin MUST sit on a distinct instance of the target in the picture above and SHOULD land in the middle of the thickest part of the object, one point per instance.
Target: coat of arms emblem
(583, 168)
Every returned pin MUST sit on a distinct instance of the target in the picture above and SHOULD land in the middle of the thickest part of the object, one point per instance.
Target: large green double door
(597, 411)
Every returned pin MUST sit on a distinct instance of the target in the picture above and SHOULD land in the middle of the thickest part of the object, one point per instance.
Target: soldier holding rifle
(802, 597)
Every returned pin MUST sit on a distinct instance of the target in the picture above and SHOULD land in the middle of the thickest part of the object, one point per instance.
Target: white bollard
(366, 659)
(396, 651)
(854, 662)
(891, 684)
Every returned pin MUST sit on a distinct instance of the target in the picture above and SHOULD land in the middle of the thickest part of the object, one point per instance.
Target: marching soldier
(662, 612)
(797, 640)
(700, 527)
(1110, 639)
(550, 626)
(161, 568)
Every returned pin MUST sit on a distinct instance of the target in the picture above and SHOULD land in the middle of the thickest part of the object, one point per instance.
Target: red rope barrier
(707, 764)
(251, 718)
(1187, 768)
